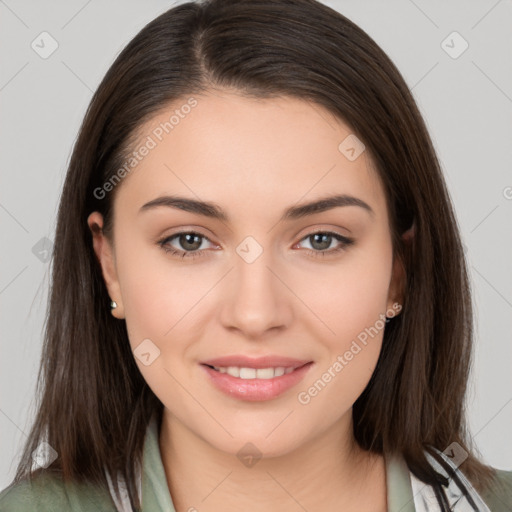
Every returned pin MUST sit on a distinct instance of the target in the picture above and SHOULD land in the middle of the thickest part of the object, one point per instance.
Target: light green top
(49, 494)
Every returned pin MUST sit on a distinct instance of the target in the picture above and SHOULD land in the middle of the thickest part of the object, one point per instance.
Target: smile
(255, 384)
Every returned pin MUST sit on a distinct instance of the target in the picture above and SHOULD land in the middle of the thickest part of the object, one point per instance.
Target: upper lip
(269, 361)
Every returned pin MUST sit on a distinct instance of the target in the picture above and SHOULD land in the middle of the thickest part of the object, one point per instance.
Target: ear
(106, 258)
(398, 279)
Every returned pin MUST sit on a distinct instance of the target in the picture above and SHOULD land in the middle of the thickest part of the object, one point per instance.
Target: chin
(254, 444)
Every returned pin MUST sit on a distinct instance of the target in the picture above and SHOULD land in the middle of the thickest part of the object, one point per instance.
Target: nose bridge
(256, 298)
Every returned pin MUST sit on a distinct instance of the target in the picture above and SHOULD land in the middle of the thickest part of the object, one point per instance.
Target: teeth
(254, 373)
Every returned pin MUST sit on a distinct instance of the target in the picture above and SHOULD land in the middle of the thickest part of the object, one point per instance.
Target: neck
(318, 475)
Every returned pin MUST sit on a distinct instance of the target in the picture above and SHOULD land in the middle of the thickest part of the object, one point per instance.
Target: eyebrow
(214, 211)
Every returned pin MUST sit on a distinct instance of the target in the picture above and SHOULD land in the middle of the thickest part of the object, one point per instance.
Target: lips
(251, 387)
(269, 361)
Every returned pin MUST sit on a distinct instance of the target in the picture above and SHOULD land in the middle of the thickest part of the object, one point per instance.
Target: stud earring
(113, 304)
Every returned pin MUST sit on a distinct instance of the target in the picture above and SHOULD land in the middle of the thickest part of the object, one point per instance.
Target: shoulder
(47, 492)
(498, 497)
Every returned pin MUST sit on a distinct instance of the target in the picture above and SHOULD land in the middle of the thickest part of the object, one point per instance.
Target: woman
(259, 296)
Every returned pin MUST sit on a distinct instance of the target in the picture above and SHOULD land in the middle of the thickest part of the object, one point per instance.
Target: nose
(256, 298)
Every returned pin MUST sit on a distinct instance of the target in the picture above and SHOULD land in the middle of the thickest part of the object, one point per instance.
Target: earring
(113, 304)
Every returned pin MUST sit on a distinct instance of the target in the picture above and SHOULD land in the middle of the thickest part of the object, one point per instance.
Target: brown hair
(94, 405)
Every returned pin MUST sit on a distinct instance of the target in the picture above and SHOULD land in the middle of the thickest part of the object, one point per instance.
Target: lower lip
(256, 389)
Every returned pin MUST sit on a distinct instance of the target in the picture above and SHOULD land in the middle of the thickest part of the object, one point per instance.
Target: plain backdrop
(464, 94)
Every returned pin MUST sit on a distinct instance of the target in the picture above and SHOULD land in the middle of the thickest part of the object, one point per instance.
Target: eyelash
(345, 243)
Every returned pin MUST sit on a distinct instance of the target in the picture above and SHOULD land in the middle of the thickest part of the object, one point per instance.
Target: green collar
(155, 491)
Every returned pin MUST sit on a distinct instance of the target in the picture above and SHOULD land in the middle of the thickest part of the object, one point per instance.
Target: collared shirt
(405, 493)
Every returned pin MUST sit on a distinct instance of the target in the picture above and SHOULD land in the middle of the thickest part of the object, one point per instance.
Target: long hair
(93, 404)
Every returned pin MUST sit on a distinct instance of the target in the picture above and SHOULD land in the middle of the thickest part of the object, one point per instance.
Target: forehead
(249, 154)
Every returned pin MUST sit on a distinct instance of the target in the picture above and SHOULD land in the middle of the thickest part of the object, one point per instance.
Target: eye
(190, 241)
(322, 240)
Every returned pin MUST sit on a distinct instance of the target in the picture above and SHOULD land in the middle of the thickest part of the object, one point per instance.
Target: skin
(255, 158)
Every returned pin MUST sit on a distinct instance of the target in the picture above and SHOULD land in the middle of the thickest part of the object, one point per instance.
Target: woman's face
(255, 281)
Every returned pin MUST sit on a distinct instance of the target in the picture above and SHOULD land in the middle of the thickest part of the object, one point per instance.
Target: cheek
(351, 305)
(351, 357)
(158, 299)
(350, 297)
(157, 291)
(166, 303)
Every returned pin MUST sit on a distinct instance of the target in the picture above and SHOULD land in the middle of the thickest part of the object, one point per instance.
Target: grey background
(466, 102)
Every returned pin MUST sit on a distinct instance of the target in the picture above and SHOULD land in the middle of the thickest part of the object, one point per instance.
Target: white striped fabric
(123, 505)
(425, 499)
